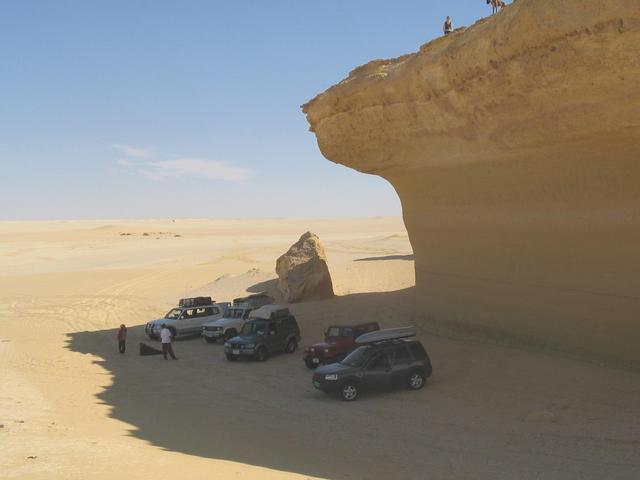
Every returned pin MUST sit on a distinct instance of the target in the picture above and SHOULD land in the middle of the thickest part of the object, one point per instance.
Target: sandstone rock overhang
(514, 146)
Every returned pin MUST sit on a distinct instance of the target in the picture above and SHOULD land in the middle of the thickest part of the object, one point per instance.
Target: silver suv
(227, 327)
(185, 320)
(235, 317)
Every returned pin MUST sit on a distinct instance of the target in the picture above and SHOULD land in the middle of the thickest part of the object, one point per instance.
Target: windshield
(346, 332)
(333, 332)
(174, 314)
(357, 357)
(235, 313)
(254, 328)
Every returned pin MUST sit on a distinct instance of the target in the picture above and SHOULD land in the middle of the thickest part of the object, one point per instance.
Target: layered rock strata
(514, 146)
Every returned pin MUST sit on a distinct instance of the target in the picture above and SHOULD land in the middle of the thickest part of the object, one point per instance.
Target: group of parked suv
(351, 359)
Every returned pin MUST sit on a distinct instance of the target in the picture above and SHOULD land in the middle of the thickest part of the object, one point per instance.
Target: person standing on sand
(122, 338)
(448, 26)
(166, 337)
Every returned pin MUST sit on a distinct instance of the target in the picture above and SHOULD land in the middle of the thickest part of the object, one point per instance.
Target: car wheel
(309, 363)
(229, 334)
(231, 358)
(349, 391)
(261, 354)
(210, 339)
(292, 345)
(415, 380)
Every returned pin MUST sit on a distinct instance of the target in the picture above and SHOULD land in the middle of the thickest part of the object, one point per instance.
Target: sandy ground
(71, 407)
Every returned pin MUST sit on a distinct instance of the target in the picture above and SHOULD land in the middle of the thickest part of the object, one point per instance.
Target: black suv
(386, 364)
(269, 329)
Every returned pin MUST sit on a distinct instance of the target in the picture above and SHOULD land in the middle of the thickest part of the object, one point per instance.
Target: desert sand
(513, 145)
(71, 407)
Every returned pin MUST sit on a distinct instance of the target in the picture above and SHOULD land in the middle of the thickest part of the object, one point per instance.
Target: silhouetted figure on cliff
(448, 26)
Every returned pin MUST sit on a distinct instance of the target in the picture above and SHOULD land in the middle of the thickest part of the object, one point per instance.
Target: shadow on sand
(265, 414)
(387, 257)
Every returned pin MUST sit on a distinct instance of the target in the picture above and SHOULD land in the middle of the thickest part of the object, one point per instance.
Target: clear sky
(190, 108)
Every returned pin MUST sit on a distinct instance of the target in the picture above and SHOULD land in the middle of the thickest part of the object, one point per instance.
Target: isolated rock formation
(302, 271)
(514, 146)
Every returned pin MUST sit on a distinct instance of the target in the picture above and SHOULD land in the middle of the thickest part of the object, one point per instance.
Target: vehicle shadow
(263, 414)
(386, 257)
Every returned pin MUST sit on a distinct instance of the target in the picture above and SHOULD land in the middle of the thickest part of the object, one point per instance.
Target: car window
(417, 350)
(347, 332)
(333, 332)
(251, 328)
(379, 363)
(187, 314)
(401, 356)
(173, 314)
(357, 357)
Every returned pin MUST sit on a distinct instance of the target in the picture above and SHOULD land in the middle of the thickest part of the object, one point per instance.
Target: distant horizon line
(175, 219)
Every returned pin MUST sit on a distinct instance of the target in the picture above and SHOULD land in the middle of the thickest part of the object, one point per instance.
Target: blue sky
(108, 109)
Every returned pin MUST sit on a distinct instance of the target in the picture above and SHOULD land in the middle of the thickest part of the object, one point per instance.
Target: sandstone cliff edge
(514, 146)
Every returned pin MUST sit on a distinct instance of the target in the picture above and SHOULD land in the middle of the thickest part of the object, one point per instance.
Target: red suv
(339, 341)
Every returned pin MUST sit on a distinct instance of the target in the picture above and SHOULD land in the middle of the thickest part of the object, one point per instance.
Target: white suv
(227, 327)
(185, 320)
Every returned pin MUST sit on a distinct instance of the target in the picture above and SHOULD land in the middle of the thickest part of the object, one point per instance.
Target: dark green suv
(270, 329)
(377, 365)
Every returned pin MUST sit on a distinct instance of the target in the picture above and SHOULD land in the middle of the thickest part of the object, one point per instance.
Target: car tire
(261, 354)
(310, 365)
(349, 391)
(292, 346)
(415, 380)
(210, 340)
(231, 358)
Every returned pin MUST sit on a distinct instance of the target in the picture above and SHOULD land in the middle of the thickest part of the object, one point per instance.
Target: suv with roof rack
(270, 329)
(384, 359)
(339, 341)
(187, 318)
(230, 325)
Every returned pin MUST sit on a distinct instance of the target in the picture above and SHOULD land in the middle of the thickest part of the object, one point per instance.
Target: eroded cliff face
(514, 146)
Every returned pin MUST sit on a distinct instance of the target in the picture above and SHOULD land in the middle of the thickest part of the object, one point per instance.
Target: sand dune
(81, 410)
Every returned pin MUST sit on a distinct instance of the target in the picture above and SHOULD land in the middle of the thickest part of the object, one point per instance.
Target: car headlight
(249, 345)
(332, 376)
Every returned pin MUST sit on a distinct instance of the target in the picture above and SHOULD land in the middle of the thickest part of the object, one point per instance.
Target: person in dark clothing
(122, 338)
(448, 26)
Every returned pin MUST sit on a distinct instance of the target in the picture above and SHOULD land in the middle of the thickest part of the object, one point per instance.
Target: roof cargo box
(253, 301)
(195, 302)
(387, 334)
(267, 312)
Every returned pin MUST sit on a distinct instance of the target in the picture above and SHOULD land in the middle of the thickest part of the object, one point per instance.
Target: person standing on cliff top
(448, 26)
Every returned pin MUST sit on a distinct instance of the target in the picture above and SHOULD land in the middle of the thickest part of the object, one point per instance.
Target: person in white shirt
(166, 337)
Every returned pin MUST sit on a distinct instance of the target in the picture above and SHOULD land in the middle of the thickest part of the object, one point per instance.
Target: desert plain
(72, 407)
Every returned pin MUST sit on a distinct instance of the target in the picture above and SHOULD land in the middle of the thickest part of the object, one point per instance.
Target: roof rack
(268, 312)
(387, 334)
